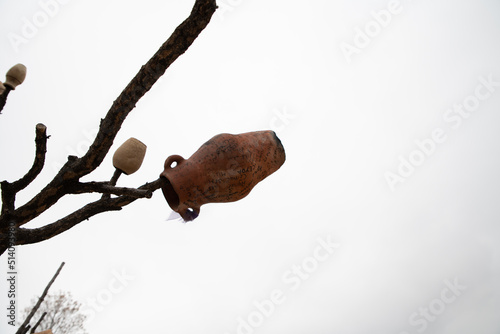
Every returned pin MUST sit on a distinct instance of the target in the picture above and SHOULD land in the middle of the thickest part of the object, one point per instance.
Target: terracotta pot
(224, 169)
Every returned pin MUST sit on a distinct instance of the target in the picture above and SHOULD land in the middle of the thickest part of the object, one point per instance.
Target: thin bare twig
(38, 322)
(41, 149)
(106, 188)
(113, 181)
(40, 300)
(9, 190)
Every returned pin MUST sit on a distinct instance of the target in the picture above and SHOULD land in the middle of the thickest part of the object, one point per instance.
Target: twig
(114, 178)
(106, 188)
(9, 190)
(34, 235)
(113, 181)
(3, 97)
(40, 300)
(41, 149)
(38, 322)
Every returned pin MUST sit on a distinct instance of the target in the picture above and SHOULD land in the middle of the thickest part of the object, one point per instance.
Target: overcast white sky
(356, 90)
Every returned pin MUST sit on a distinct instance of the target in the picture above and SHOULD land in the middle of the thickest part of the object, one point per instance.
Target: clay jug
(224, 169)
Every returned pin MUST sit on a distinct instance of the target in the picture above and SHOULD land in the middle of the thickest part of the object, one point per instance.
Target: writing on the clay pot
(246, 170)
(234, 178)
(220, 174)
(242, 180)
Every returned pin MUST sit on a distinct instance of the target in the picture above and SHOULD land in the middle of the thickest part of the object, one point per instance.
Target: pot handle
(171, 159)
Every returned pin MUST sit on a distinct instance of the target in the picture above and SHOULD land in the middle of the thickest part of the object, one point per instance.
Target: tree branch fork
(65, 183)
(67, 180)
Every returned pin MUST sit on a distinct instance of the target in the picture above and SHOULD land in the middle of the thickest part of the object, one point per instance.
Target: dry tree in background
(60, 313)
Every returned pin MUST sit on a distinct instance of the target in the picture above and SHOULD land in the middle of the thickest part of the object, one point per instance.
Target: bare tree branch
(40, 300)
(67, 179)
(30, 236)
(61, 185)
(64, 182)
(112, 182)
(63, 314)
(180, 40)
(9, 190)
(41, 149)
(38, 322)
(106, 188)
(3, 97)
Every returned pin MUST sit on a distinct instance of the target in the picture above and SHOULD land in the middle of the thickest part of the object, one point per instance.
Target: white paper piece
(174, 216)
